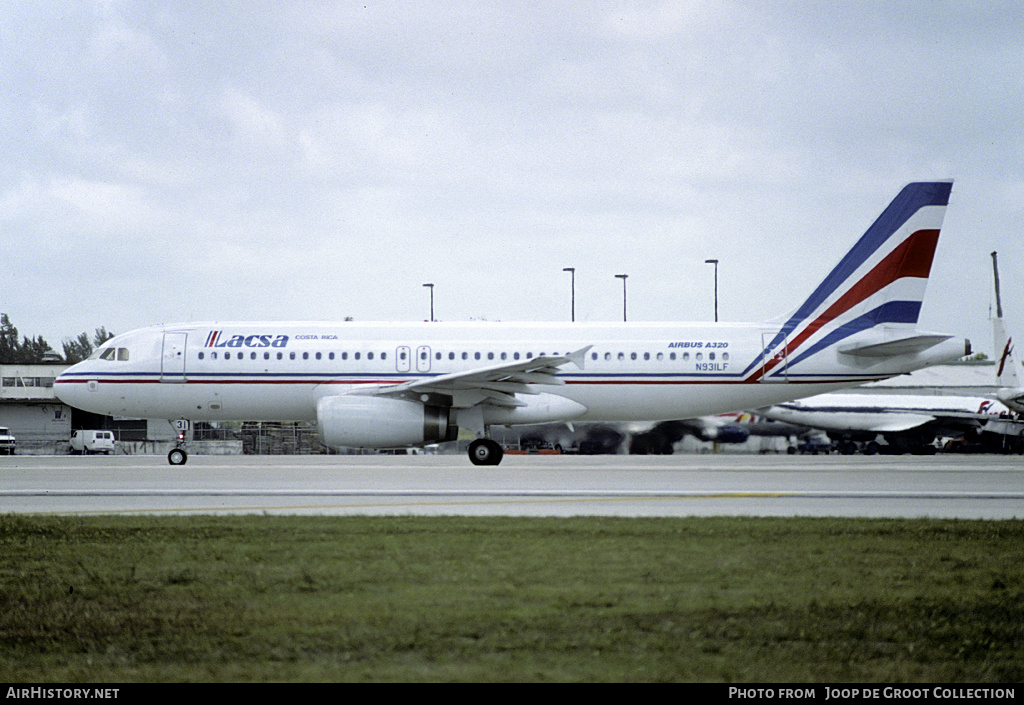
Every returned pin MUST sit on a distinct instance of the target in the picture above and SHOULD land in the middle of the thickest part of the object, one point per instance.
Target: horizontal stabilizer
(907, 345)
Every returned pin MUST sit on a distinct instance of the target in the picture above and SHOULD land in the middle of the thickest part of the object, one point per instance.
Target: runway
(966, 487)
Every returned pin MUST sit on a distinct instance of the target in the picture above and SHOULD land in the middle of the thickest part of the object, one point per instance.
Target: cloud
(297, 159)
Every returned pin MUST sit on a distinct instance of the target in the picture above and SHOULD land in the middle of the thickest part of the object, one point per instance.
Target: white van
(92, 442)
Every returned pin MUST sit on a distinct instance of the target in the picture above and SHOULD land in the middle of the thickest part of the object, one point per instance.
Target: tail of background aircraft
(869, 304)
(1010, 391)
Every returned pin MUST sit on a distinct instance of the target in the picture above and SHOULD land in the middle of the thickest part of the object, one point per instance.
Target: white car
(6, 441)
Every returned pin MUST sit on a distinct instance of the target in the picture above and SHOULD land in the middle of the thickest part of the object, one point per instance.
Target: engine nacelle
(380, 422)
(538, 408)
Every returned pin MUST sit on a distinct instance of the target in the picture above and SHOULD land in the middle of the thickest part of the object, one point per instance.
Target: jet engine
(380, 422)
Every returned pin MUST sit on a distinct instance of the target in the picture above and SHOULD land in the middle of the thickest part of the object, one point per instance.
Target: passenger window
(318, 356)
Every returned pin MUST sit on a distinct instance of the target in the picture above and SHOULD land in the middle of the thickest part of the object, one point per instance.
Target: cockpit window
(111, 354)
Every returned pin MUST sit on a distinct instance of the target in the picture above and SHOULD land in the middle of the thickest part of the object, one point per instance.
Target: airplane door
(423, 358)
(172, 361)
(403, 358)
(778, 358)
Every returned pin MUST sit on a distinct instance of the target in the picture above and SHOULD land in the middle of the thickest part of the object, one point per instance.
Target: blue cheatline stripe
(890, 312)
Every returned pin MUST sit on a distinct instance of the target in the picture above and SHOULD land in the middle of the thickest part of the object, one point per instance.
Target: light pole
(623, 278)
(431, 287)
(572, 271)
(715, 262)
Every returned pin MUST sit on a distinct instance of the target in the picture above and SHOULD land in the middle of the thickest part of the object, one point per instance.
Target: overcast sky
(195, 161)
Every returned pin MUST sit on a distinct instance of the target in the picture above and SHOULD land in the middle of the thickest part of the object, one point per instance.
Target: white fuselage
(279, 371)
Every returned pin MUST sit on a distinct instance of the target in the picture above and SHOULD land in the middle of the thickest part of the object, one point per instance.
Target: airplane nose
(65, 391)
(72, 389)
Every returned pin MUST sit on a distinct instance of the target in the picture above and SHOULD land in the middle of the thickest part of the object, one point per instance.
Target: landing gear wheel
(484, 451)
(177, 456)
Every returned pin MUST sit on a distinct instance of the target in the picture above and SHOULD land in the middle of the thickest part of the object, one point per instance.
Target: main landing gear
(484, 451)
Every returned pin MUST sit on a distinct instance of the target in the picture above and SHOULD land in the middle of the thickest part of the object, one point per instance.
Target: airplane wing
(897, 422)
(498, 385)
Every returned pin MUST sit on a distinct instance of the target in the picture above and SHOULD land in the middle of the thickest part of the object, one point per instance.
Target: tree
(8, 340)
(78, 349)
(32, 350)
(82, 347)
(29, 351)
(101, 336)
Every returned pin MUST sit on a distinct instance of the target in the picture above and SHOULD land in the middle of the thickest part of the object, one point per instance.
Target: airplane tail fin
(1010, 391)
(869, 304)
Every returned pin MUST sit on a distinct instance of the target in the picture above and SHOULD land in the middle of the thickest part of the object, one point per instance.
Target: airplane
(907, 422)
(1010, 391)
(400, 385)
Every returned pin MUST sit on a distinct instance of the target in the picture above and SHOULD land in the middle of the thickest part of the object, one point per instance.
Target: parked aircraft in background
(901, 423)
(1010, 390)
(388, 385)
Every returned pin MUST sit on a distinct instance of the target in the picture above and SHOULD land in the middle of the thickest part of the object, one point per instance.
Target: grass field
(142, 599)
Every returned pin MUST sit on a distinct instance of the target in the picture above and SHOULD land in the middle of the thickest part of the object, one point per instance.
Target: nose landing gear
(183, 434)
